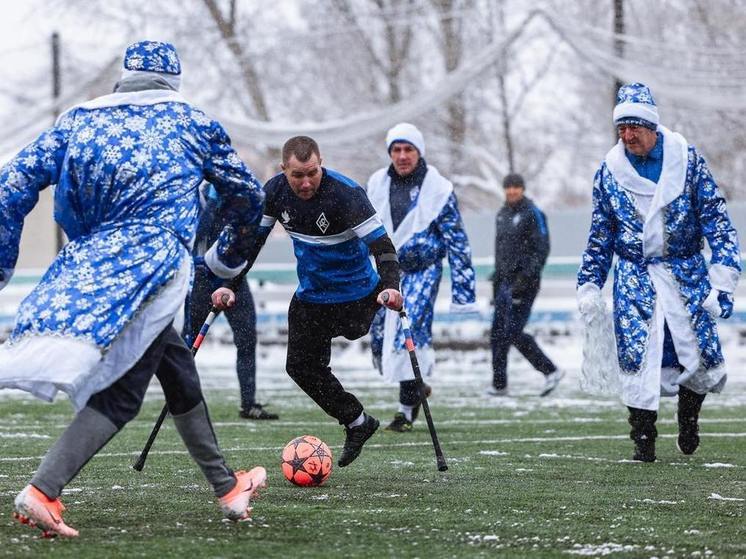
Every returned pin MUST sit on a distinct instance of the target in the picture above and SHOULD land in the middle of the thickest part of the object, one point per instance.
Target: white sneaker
(34, 508)
(492, 391)
(551, 381)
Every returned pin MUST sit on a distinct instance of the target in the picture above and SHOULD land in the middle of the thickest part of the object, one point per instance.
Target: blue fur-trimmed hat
(152, 56)
(635, 105)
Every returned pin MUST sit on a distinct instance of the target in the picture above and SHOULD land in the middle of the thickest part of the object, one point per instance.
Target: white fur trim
(396, 365)
(217, 267)
(147, 97)
(637, 110)
(711, 304)
(408, 133)
(45, 364)
(723, 278)
(670, 185)
(463, 308)
(433, 196)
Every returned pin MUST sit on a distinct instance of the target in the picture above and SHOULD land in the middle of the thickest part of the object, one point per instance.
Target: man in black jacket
(521, 249)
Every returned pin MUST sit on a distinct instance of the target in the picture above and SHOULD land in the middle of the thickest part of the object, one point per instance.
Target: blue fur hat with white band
(635, 106)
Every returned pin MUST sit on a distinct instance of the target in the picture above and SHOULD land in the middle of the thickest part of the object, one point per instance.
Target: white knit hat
(405, 132)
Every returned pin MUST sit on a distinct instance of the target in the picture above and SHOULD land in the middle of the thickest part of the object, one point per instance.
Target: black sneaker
(257, 411)
(427, 389)
(400, 424)
(355, 438)
(644, 449)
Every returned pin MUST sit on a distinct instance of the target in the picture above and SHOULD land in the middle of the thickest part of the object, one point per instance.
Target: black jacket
(521, 246)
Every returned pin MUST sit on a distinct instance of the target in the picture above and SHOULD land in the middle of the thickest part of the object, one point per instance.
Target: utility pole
(618, 43)
(56, 87)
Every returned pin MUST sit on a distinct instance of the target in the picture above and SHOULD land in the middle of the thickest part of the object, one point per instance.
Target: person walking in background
(241, 317)
(521, 250)
(335, 230)
(420, 211)
(654, 204)
(99, 324)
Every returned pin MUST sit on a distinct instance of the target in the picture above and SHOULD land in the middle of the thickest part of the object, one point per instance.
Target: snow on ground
(463, 367)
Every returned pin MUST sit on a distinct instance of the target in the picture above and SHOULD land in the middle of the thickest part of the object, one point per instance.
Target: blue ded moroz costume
(654, 213)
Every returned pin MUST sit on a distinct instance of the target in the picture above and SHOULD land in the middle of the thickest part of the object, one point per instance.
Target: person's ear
(282, 167)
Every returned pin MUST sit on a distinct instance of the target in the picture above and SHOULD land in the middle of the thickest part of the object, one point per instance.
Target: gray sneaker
(492, 391)
(551, 381)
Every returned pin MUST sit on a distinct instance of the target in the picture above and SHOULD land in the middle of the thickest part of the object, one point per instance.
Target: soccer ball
(306, 461)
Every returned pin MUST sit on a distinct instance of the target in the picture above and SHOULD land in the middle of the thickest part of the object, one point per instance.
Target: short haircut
(302, 147)
(513, 179)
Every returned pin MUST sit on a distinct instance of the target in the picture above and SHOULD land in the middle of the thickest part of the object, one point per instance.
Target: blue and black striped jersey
(330, 232)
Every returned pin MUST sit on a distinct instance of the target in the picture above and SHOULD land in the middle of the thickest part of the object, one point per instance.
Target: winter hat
(405, 132)
(513, 179)
(635, 105)
(153, 57)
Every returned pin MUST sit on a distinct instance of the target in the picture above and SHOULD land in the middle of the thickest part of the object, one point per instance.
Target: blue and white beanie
(635, 105)
(405, 132)
(153, 57)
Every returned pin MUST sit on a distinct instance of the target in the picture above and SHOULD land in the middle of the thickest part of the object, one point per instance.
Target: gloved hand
(590, 301)
(200, 267)
(726, 304)
(719, 303)
(5, 275)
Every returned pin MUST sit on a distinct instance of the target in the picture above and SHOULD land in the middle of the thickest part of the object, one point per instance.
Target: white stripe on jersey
(368, 226)
(327, 240)
(267, 221)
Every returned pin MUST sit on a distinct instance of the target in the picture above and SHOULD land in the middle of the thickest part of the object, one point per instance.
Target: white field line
(446, 443)
(251, 426)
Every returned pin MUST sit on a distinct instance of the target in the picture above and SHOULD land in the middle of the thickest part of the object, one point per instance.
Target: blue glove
(200, 267)
(726, 304)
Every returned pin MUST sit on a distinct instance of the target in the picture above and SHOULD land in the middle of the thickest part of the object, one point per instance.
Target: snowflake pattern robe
(431, 230)
(126, 168)
(657, 232)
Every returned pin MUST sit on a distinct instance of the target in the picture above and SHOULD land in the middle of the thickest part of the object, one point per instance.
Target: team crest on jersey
(285, 216)
(322, 222)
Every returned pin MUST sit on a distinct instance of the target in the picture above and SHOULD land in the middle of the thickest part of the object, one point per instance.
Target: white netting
(694, 76)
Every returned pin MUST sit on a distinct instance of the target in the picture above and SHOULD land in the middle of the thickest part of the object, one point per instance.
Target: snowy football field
(528, 476)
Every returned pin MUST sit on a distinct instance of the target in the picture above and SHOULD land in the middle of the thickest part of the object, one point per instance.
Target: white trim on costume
(636, 110)
(145, 97)
(45, 364)
(434, 193)
(217, 267)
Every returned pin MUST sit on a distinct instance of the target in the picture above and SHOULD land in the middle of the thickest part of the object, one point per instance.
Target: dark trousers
(171, 362)
(311, 327)
(242, 320)
(510, 318)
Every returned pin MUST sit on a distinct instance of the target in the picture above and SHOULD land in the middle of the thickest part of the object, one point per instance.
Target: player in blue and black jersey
(334, 229)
